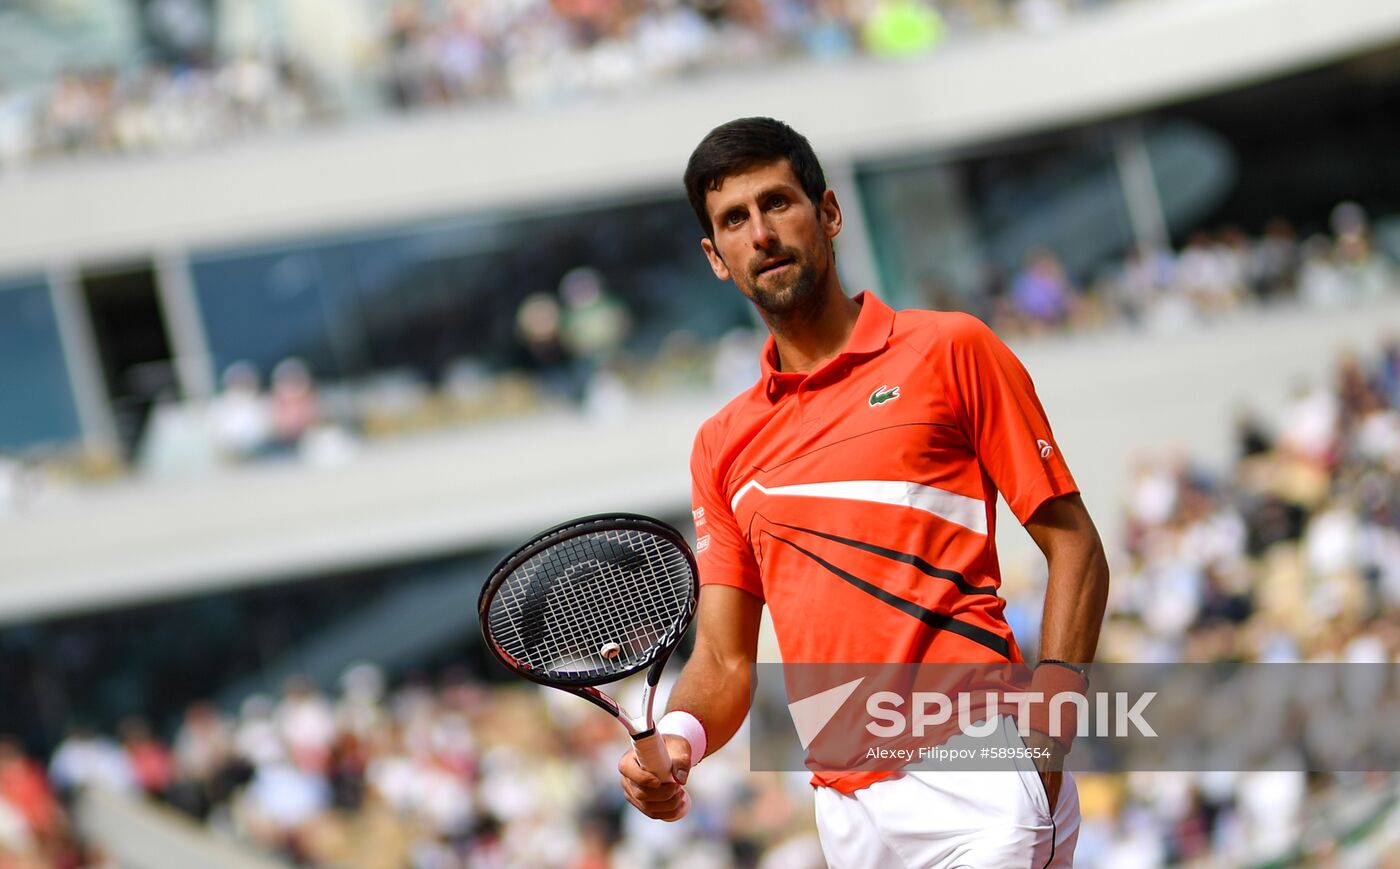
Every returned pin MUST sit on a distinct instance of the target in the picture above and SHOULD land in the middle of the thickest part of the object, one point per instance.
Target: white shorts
(942, 819)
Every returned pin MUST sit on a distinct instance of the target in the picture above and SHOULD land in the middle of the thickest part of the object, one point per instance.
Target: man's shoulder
(715, 429)
(927, 329)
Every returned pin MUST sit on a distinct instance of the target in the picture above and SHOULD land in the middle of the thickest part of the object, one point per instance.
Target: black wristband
(1081, 669)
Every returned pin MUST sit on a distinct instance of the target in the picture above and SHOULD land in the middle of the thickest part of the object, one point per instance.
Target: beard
(794, 292)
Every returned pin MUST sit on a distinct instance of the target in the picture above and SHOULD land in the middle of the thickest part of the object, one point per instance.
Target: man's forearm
(1075, 596)
(716, 692)
(714, 684)
(1077, 589)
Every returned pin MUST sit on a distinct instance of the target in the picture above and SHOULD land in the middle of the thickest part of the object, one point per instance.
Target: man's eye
(777, 202)
(734, 218)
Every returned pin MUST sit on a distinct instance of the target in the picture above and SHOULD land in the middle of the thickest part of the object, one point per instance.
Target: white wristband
(678, 722)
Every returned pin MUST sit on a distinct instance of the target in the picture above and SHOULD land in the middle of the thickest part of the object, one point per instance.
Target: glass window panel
(1064, 195)
(925, 235)
(947, 229)
(266, 306)
(1195, 171)
(36, 397)
(423, 297)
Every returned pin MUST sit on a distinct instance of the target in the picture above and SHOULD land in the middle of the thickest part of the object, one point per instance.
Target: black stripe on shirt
(907, 558)
(937, 621)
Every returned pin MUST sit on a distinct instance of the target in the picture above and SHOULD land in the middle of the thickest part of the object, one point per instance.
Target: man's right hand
(665, 801)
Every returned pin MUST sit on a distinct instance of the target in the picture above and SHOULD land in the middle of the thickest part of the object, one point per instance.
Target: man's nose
(761, 234)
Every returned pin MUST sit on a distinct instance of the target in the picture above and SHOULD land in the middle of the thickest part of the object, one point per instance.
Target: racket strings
(593, 600)
(597, 604)
(633, 615)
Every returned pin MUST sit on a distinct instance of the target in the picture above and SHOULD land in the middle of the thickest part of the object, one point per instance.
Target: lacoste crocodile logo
(883, 394)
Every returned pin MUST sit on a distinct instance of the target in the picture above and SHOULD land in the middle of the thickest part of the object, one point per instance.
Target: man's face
(773, 241)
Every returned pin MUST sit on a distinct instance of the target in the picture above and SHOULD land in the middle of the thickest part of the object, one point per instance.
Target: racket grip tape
(652, 754)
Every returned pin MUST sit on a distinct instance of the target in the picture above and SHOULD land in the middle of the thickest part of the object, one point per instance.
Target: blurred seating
(1292, 554)
(1289, 554)
(208, 73)
(454, 774)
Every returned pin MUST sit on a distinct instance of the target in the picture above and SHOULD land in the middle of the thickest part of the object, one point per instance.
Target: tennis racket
(590, 602)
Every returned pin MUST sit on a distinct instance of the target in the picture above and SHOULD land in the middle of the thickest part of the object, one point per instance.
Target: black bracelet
(1081, 669)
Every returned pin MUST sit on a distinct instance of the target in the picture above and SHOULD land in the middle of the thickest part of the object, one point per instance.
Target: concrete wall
(141, 835)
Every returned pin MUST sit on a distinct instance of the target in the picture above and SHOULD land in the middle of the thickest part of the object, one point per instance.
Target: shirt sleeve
(722, 553)
(1004, 421)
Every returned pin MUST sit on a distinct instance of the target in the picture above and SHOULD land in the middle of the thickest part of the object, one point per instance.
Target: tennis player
(853, 491)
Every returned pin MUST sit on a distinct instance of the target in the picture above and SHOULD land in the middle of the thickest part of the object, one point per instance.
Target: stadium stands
(218, 76)
(291, 323)
(1291, 554)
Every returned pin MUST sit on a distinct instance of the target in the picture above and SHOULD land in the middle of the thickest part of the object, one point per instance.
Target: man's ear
(716, 261)
(829, 210)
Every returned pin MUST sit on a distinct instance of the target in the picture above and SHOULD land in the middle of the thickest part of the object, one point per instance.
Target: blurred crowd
(438, 776)
(231, 67)
(35, 829)
(152, 109)
(1291, 554)
(1214, 273)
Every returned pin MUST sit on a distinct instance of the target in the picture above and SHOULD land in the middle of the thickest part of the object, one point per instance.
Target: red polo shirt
(858, 500)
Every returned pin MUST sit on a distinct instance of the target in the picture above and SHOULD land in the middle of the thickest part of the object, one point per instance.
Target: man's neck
(803, 344)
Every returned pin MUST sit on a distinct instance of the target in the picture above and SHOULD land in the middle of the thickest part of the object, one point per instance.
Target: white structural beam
(79, 345)
(194, 364)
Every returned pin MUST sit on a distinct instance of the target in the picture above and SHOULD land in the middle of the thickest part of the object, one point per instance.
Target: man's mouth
(773, 265)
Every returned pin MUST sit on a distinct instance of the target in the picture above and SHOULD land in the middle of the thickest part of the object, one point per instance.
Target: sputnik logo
(811, 714)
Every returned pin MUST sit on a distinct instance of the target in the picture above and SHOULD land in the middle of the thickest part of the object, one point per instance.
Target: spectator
(1309, 429)
(280, 805)
(241, 416)
(306, 723)
(1365, 272)
(1143, 279)
(1320, 282)
(152, 765)
(84, 759)
(1041, 295)
(1273, 263)
(901, 28)
(1252, 438)
(204, 754)
(594, 327)
(538, 326)
(33, 813)
(257, 737)
(294, 407)
(595, 323)
(1211, 271)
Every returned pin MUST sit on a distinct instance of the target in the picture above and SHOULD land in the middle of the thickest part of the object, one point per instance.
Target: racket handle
(651, 752)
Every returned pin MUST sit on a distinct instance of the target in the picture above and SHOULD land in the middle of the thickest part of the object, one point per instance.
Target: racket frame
(651, 751)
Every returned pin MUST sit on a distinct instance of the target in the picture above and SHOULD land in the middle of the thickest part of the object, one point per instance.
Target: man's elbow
(719, 663)
(1066, 534)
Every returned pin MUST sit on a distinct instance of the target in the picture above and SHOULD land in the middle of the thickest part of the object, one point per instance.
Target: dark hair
(740, 145)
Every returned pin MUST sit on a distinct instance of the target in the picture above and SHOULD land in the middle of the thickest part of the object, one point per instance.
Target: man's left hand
(1049, 762)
